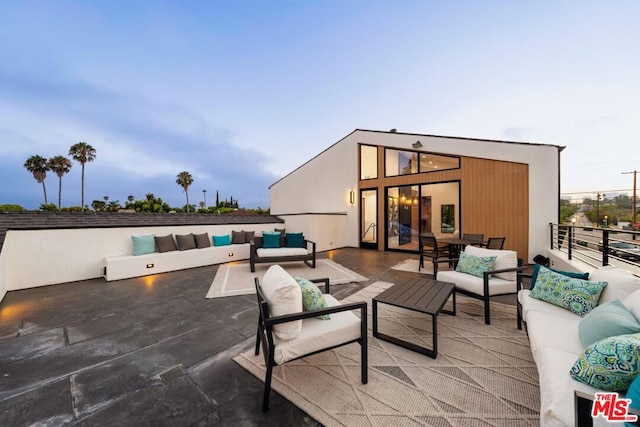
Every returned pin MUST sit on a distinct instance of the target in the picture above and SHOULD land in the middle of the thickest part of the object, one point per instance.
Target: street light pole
(204, 194)
(633, 197)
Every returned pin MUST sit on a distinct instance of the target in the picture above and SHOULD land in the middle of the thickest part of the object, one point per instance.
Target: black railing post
(551, 234)
(570, 241)
(605, 247)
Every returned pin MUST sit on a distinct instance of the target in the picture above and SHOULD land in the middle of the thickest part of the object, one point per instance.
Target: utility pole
(633, 198)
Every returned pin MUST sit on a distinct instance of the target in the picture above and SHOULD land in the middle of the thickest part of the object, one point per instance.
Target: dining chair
(430, 248)
(495, 243)
(473, 239)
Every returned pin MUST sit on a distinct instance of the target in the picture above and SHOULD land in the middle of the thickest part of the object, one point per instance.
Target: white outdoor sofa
(555, 344)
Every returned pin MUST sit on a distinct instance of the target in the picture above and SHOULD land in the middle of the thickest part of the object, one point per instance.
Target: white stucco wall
(328, 231)
(322, 185)
(46, 257)
(3, 276)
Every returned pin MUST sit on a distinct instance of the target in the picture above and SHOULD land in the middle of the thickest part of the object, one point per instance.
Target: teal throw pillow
(270, 239)
(312, 298)
(575, 275)
(294, 240)
(579, 296)
(144, 244)
(634, 394)
(607, 320)
(221, 240)
(610, 364)
(475, 265)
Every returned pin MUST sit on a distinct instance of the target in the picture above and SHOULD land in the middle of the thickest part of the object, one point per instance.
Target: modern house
(379, 190)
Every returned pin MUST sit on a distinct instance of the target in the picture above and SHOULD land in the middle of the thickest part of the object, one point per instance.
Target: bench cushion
(279, 252)
(284, 296)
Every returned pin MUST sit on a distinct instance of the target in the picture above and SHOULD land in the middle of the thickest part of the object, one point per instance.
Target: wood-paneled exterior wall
(494, 198)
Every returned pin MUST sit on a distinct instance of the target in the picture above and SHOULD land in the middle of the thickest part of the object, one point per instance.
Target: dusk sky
(240, 93)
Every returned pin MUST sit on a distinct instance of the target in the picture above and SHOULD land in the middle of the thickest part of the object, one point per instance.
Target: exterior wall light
(230, 253)
(150, 265)
(352, 197)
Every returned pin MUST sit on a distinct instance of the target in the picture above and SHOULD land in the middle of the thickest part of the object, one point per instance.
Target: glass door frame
(374, 227)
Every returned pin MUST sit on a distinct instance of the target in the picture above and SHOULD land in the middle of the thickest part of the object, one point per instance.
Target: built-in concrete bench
(127, 266)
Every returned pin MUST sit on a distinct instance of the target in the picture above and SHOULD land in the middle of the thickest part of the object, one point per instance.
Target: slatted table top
(423, 295)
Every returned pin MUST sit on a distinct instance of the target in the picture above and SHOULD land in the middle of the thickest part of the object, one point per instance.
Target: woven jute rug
(412, 266)
(236, 278)
(483, 375)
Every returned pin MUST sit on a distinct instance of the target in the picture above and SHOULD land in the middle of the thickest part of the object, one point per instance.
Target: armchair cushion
(475, 285)
(284, 296)
(475, 265)
(316, 334)
(504, 259)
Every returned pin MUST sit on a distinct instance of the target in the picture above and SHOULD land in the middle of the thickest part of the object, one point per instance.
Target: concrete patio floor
(145, 351)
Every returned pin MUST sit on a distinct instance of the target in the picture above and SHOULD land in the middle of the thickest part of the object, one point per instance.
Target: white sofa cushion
(277, 252)
(621, 282)
(504, 259)
(318, 334)
(475, 284)
(284, 296)
(557, 387)
(544, 331)
(531, 304)
(632, 302)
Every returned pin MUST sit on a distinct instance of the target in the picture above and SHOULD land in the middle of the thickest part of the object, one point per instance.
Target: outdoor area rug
(236, 278)
(412, 266)
(483, 375)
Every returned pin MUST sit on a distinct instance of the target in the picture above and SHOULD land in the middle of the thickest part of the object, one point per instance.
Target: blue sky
(240, 93)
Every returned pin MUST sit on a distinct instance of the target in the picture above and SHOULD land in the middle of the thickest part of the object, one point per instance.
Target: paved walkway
(146, 351)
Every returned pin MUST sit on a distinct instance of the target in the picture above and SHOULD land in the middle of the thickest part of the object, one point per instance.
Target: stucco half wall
(32, 258)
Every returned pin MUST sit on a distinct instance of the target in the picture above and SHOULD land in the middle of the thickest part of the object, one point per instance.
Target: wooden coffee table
(422, 295)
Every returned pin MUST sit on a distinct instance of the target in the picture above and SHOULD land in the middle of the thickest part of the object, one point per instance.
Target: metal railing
(598, 246)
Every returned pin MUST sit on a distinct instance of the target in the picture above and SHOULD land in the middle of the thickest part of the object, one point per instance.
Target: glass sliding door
(403, 220)
(426, 208)
(369, 219)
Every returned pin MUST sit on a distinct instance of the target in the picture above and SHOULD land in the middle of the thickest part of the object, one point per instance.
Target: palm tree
(60, 165)
(38, 166)
(82, 153)
(184, 180)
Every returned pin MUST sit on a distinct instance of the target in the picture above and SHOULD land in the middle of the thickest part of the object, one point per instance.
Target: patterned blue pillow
(579, 296)
(610, 364)
(475, 265)
(312, 298)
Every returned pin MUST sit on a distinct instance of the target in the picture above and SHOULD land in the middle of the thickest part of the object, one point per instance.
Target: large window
(400, 162)
(426, 208)
(368, 162)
